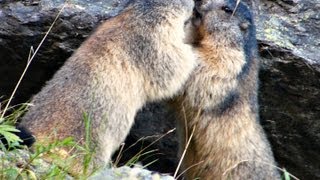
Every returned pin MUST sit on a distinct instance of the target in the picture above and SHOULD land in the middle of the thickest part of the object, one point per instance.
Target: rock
(12, 163)
(155, 123)
(18, 164)
(127, 173)
(288, 32)
(289, 43)
(24, 23)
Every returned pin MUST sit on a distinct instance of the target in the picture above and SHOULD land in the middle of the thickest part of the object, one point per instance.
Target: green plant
(286, 175)
(8, 129)
(7, 132)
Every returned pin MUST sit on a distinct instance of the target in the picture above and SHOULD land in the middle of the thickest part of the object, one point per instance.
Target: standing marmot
(136, 57)
(220, 99)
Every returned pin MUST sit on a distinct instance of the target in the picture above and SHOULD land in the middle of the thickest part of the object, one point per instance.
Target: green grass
(27, 160)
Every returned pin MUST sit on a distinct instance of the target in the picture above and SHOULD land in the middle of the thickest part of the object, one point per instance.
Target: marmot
(220, 99)
(135, 57)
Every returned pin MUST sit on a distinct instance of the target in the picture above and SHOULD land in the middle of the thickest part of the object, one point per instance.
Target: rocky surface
(21, 164)
(289, 35)
(127, 173)
(24, 23)
(289, 41)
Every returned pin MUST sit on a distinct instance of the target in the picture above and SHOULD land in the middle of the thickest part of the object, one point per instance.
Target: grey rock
(127, 173)
(289, 35)
(23, 25)
(19, 164)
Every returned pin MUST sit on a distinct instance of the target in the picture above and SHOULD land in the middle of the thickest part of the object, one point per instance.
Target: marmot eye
(227, 9)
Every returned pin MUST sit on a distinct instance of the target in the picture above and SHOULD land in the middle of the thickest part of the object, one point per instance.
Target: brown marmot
(220, 99)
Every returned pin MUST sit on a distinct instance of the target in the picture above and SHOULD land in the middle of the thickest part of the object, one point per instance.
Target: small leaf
(11, 173)
(9, 128)
(7, 131)
(31, 175)
(286, 175)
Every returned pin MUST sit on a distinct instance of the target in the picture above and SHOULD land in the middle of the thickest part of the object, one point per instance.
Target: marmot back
(136, 57)
(220, 99)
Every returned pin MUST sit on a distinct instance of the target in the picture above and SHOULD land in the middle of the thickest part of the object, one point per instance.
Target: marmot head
(225, 22)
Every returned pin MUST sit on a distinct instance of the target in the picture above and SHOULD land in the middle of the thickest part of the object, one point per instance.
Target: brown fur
(136, 57)
(220, 101)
